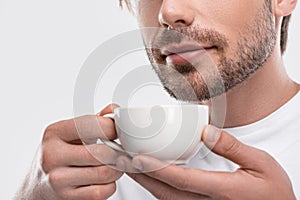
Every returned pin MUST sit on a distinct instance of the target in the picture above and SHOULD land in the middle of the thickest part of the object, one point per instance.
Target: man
(246, 39)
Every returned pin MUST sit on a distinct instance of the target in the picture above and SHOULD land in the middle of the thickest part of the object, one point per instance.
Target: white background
(43, 44)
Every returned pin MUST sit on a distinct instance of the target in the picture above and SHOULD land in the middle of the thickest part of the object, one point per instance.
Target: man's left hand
(259, 176)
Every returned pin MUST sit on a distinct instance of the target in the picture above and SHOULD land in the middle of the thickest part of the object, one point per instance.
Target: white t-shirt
(278, 134)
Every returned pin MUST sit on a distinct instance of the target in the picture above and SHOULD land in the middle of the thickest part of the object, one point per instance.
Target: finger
(124, 164)
(83, 176)
(77, 155)
(192, 180)
(95, 127)
(108, 109)
(86, 128)
(92, 192)
(162, 190)
(229, 147)
(91, 155)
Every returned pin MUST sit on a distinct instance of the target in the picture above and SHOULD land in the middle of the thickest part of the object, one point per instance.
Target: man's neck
(261, 94)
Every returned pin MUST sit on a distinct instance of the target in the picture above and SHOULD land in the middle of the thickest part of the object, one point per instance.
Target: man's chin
(185, 97)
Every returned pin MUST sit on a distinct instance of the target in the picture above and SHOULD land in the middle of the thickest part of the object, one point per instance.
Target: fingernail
(212, 134)
(137, 165)
(98, 114)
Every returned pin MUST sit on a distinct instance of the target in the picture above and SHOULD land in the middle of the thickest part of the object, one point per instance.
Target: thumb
(229, 147)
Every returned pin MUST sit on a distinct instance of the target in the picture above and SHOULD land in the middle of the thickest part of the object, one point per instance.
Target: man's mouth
(186, 53)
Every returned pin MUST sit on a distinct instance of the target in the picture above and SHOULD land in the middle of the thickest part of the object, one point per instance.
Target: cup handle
(110, 115)
(110, 143)
(113, 145)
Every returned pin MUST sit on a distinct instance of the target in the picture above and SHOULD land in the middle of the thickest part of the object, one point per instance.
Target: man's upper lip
(181, 48)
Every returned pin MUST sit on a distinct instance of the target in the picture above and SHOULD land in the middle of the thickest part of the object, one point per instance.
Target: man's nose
(176, 13)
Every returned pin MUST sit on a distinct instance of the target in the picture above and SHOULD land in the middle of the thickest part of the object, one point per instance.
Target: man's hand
(259, 177)
(67, 169)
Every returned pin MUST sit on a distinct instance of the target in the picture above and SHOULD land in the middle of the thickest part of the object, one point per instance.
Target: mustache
(165, 37)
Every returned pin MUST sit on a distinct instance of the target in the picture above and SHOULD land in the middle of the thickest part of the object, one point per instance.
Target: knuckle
(54, 178)
(65, 194)
(182, 184)
(265, 155)
(50, 131)
(98, 194)
(102, 173)
(105, 174)
(95, 150)
(46, 159)
(266, 158)
(50, 142)
(102, 154)
(165, 195)
(226, 196)
(53, 130)
(233, 148)
(111, 189)
(104, 193)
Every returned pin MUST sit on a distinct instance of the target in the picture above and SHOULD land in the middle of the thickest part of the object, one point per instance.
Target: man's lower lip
(187, 57)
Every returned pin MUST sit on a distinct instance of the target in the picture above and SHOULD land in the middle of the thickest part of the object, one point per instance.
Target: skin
(66, 169)
(254, 94)
(258, 96)
(253, 180)
(232, 61)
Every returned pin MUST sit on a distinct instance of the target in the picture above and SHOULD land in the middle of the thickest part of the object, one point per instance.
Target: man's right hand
(72, 165)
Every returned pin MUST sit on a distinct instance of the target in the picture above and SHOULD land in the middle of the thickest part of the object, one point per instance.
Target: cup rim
(163, 106)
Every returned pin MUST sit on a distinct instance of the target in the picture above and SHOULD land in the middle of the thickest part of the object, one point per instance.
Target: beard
(203, 80)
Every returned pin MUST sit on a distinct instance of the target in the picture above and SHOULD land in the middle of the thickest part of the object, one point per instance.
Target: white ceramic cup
(170, 133)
